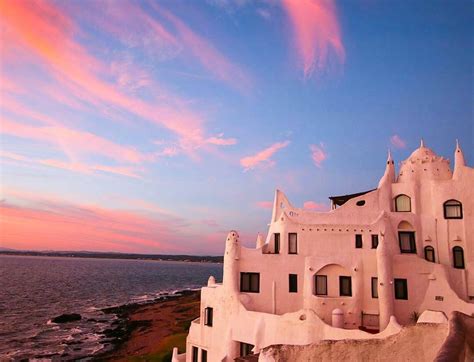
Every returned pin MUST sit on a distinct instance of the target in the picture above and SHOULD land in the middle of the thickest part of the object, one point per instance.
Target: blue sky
(157, 126)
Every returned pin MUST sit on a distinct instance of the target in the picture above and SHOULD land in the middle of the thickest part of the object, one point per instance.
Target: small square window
(375, 241)
(293, 283)
(292, 243)
(246, 349)
(375, 291)
(452, 209)
(321, 284)
(250, 282)
(345, 286)
(407, 242)
(208, 316)
(358, 241)
(401, 289)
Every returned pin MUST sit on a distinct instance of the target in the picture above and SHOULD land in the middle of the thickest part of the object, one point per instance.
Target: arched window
(452, 209)
(429, 254)
(402, 203)
(458, 257)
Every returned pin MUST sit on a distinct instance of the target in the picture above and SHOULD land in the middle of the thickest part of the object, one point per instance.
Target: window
(345, 286)
(321, 284)
(293, 283)
(458, 257)
(245, 349)
(429, 254)
(407, 242)
(250, 282)
(402, 203)
(208, 316)
(375, 241)
(292, 243)
(277, 243)
(452, 209)
(203, 355)
(401, 289)
(194, 355)
(358, 241)
(375, 291)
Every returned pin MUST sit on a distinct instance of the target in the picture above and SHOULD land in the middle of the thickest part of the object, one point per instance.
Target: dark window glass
(452, 209)
(293, 283)
(277, 243)
(245, 349)
(407, 242)
(345, 286)
(458, 257)
(321, 284)
(401, 289)
(292, 243)
(375, 241)
(195, 354)
(402, 203)
(208, 316)
(358, 241)
(250, 282)
(429, 253)
(203, 355)
(375, 290)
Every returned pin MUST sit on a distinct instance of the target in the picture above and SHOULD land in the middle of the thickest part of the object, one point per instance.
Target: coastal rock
(66, 318)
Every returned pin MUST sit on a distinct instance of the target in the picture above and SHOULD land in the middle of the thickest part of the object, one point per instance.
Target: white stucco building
(371, 264)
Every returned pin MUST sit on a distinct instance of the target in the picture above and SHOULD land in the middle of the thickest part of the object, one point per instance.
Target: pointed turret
(260, 242)
(459, 161)
(422, 143)
(389, 175)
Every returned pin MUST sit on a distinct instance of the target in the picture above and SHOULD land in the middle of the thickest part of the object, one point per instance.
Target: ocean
(34, 290)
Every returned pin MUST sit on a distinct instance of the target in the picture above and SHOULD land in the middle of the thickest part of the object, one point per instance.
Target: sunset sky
(157, 126)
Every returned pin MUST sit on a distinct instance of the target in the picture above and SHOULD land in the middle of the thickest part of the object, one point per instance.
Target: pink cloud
(220, 141)
(262, 157)
(318, 154)
(264, 204)
(311, 205)
(397, 142)
(316, 33)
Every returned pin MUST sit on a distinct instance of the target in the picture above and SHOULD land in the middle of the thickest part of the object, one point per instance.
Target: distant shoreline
(104, 255)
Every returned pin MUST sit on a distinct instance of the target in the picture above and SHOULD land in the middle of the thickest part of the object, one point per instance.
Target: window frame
(296, 244)
(322, 277)
(293, 283)
(396, 204)
(374, 288)
(458, 249)
(277, 243)
(431, 249)
(412, 249)
(375, 240)
(341, 278)
(452, 217)
(195, 354)
(208, 316)
(251, 289)
(245, 349)
(358, 241)
(404, 283)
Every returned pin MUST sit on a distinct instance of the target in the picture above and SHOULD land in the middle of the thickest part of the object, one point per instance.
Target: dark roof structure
(341, 200)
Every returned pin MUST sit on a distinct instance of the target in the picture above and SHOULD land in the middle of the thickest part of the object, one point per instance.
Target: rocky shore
(150, 331)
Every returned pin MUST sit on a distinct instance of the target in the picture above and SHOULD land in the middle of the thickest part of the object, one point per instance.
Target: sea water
(34, 290)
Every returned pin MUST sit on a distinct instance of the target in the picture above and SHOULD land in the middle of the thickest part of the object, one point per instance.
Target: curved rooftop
(424, 163)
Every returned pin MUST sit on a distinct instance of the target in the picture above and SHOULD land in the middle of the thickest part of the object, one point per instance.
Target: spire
(389, 175)
(260, 242)
(422, 143)
(459, 161)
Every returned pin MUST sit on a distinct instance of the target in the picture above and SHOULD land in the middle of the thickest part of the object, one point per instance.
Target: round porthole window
(360, 203)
